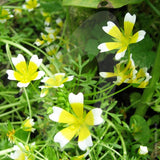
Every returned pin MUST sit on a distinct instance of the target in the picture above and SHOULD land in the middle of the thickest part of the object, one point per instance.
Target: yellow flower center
(25, 74)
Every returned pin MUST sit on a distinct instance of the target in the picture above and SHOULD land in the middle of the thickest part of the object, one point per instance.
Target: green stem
(149, 91)
(101, 91)
(6, 151)
(28, 102)
(26, 51)
(121, 138)
(100, 99)
(6, 113)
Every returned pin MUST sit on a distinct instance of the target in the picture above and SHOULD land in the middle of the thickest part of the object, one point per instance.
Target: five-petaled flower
(28, 124)
(78, 122)
(30, 5)
(127, 73)
(122, 39)
(25, 73)
(57, 81)
(4, 15)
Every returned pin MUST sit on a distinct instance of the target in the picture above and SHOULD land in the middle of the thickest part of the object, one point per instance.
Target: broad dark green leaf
(100, 3)
(140, 129)
(82, 3)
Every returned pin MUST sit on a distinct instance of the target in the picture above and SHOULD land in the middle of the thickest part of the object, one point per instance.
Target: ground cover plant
(79, 80)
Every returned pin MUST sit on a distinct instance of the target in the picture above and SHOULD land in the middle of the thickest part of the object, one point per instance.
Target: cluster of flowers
(78, 123)
(125, 71)
(29, 5)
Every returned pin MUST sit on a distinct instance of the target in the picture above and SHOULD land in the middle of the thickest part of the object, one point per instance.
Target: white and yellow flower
(56, 81)
(142, 78)
(47, 18)
(5, 15)
(47, 38)
(78, 122)
(18, 11)
(124, 73)
(25, 73)
(51, 50)
(122, 39)
(22, 152)
(28, 124)
(143, 150)
(127, 73)
(30, 5)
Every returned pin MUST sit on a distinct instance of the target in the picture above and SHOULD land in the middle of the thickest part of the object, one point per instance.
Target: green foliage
(140, 129)
(52, 6)
(100, 3)
(82, 3)
(142, 52)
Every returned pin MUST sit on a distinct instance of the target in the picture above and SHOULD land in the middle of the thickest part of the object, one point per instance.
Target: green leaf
(143, 55)
(100, 3)
(82, 3)
(117, 3)
(50, 153)
(22, 135)
(91, 48)
(140, 129)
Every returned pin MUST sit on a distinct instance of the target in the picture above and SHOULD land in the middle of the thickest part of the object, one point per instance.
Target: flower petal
(65, 135)
(120, 53)
(107, 74)
(36, 60)
(76, 102)
(62, 116)
(40, 75)
(93, 117)
(20, 85)
(11, 75)
(69, 78)
(112, 30)
(18, 59)
(104, 47)
(44, 79)
(84, 139)
(138, 36)
(129, 22)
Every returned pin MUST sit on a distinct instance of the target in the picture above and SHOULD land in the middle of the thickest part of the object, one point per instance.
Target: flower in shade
(78, 123)
(28, 124)
(143, 150)
(123, 72)
(25, 73)
(56, 81)
(142, 78)
(31, 4)
(122, 39)
(127, 73)
(4, 15)
(22, 152)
